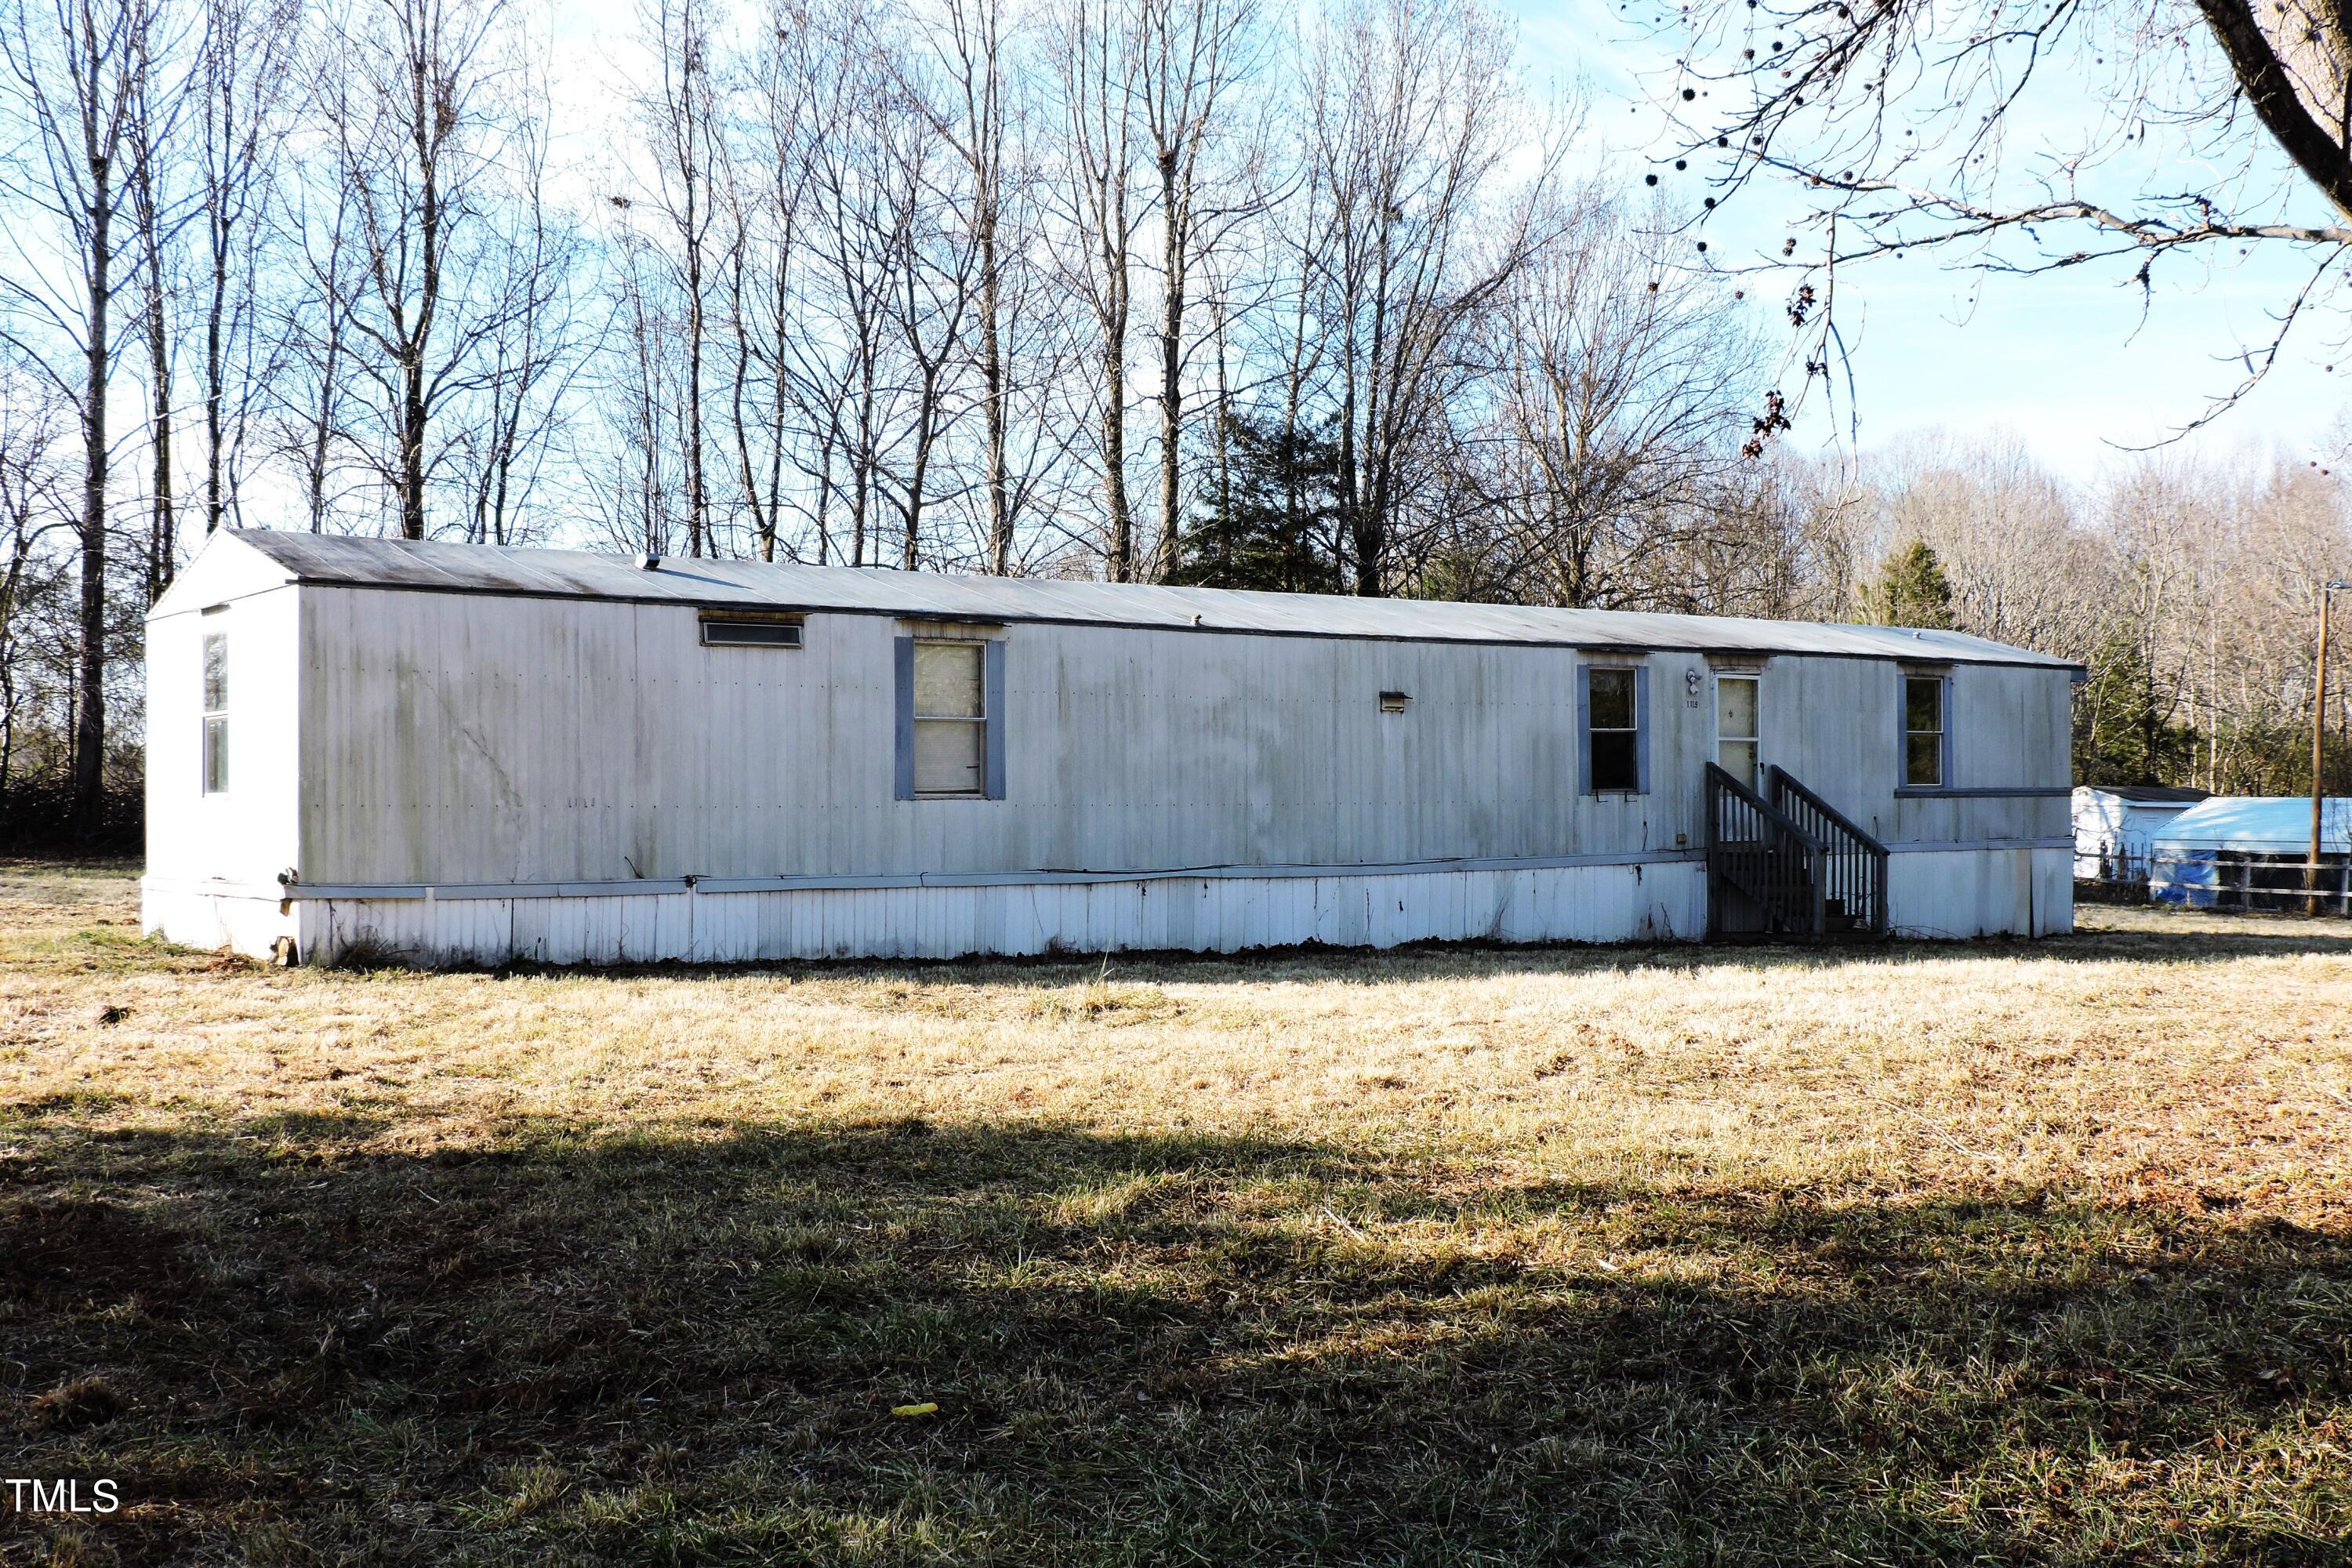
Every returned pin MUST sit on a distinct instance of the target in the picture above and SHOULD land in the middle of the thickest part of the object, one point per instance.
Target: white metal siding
(454, 738)
(248, 833)
(1981, 892)
(1595, 903)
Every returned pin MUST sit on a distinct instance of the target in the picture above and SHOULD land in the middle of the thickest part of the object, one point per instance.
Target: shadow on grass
(689, 1349)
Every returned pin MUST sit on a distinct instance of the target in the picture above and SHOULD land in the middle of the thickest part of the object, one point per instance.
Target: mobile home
(457, 753)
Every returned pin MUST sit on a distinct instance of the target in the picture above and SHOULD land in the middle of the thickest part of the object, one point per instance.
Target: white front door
(1739, 727)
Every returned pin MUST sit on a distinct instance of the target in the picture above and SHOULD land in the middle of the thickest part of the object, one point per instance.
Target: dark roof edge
(2030, 660)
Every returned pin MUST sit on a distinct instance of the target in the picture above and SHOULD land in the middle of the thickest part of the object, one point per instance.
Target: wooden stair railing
(1853, 863)
(1755, 847)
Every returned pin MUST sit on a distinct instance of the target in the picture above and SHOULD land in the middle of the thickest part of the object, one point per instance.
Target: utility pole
(2318, 734)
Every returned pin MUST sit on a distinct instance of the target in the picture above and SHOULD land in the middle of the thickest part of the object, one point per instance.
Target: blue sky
(2064, 363)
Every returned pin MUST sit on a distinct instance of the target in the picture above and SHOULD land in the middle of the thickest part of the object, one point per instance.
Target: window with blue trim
(951, 725)
(1923, 732)
(950, 719)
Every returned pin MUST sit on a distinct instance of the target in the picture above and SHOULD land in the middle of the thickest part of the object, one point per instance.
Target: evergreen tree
(1270, 526)
(2112, 715)
(1911, 591)
(1454, 575)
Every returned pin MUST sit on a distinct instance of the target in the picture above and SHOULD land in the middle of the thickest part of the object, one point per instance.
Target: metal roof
(430, 566)
(2257, 825)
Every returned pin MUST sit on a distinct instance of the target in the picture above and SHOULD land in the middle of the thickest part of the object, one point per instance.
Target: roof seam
(422, 566)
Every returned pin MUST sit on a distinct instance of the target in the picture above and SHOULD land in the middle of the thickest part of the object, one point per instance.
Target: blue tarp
(2189, 850)
(2192, 878)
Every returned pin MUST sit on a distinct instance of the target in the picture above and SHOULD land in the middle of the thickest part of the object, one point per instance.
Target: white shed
(458, 753)
(2115, 827)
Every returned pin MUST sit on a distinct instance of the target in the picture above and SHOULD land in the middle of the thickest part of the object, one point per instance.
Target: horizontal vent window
(750, 634)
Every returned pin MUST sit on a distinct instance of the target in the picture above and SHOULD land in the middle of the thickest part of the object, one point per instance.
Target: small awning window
(722, 631)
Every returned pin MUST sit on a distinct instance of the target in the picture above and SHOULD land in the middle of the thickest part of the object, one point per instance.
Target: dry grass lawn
(2001, 1253)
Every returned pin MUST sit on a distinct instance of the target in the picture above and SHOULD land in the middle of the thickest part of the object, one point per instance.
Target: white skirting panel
(242, 921)
(1660, 901)
(1978, 891)
(1981, 892)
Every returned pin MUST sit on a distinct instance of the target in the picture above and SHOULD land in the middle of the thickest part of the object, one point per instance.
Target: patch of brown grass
(83, 1402)
(2020, 1250)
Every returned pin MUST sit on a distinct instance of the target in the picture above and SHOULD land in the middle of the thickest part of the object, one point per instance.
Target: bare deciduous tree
(761, 263)
(75, 69)
(419, 135)
(1098, 62)
(936, 251)
(1413, 118)
(974, 117)
(1619, 384)
(1197, 57)
(242, 83)
(535, 348)
(308, 397)
(158, 212)
(680, 117)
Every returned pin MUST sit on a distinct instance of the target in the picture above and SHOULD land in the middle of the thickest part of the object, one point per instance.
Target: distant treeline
(2189, 591)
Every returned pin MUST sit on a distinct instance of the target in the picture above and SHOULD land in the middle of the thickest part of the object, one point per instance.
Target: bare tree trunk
(89, 721)
(1193, 51)
(163, 545)
(322, 431)
(151, 129)
(1220, 444)
(861, 461)
(411, 436)
(763, 520)
(1122, 564)
(825, 494)
(1362, 533)
(215, 381)
(776, 416)
(1369, 487)
(76, 90)
(698, 491)
(682, 116)
(925, 437)
(426, 133)
(1175, 219)
(987, 180)
(1098, 65)
(992, 374)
